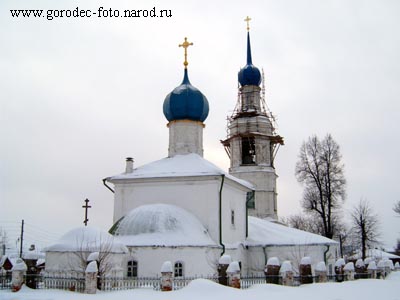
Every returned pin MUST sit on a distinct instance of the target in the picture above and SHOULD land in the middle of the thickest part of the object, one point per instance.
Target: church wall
(264, 181)
(257, 256)
(61, 262)
(233, 200)
(196, 260)
(198, 196)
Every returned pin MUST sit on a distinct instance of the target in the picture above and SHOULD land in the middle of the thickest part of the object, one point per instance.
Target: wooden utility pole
(22, 239)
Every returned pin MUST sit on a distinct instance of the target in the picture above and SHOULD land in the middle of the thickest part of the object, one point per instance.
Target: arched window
(132, 268)
(178, 269)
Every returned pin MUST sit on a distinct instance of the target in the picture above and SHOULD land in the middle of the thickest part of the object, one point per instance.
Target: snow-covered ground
(366, 289)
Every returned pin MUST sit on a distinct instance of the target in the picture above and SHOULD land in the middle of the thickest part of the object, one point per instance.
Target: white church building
(186, 210)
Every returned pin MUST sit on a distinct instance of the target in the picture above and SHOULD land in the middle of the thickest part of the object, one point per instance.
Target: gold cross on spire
(248, 19)
(185, 45)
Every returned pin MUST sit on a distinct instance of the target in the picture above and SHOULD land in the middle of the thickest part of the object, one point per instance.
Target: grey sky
(77, 96)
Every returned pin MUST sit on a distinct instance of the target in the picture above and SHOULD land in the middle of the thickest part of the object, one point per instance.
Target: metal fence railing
(77, 282)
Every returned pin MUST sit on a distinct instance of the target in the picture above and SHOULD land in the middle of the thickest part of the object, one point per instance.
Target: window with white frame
(132, 269)
(178, 269)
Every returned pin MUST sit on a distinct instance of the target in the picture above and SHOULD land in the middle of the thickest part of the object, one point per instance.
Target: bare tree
(320, 170)
(102, 250)
(303, 222)
(396, 207)
(365, 226)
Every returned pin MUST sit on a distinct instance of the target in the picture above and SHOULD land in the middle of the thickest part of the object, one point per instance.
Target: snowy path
(367, 289)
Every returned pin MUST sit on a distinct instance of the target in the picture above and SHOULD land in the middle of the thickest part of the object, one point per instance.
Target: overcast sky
(78, 95)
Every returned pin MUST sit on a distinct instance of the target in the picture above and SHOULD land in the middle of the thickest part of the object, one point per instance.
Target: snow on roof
(88, 239)
(161, 225)
(375, 253)
(267, 233)
(179, 166)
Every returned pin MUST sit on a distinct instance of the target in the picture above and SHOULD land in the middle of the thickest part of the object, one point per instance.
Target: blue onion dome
(186, 102)
(249, 74)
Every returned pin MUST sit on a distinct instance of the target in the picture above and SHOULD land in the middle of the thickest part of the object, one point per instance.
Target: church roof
(87, 239)
(267, 233)
(375, 253)
(161, 225)
(179, 166)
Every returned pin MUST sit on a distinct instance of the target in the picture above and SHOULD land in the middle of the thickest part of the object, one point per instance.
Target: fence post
(272, 270)
(339, 269)
(372, 269)
(320, 272)
(17, 276)
(91, 278)
(349, 271)
(223, 264)
(166, 276)
(286, 272)
(305, 270)
(233, 272)
(361, 269)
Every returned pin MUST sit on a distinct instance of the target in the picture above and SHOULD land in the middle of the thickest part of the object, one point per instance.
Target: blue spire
(249, 74)
(185, 78)
(249, 62)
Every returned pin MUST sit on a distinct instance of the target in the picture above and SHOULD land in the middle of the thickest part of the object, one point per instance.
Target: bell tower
(252, 142)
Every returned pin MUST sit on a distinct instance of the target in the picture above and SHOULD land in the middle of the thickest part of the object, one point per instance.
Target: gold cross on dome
(248, 19)
(185, 45)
